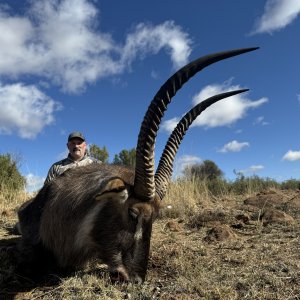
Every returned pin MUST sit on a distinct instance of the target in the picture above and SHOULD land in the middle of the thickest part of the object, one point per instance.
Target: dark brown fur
(58, 220)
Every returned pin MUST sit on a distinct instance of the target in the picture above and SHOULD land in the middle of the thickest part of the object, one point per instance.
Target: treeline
(206, 172)
(213, 177)
(125, 157)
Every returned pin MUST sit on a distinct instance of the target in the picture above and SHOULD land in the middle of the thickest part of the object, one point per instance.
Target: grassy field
(204, 246)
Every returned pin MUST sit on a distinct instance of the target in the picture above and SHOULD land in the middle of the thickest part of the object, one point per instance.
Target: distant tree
(99, 153)
(126, 158)
(10, 177)
(116, 160)
(205, 170)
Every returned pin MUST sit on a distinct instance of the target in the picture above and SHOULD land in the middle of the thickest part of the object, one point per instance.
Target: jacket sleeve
(52, 173)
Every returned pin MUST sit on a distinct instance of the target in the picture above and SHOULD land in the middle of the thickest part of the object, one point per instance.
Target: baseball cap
(76, 134)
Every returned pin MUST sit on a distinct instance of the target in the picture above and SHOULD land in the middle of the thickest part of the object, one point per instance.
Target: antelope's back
(68, 198)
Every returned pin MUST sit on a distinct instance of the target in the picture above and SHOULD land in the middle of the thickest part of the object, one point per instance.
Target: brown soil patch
(219, 233)
(267, 199)
(276, 216)
(294, 203)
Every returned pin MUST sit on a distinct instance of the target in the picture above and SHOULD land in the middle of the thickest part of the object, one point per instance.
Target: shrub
(207, 170)
(291, 184)
(10, 177)
(253, 184)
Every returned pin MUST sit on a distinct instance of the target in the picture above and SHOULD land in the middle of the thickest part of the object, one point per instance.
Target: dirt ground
(243, 248)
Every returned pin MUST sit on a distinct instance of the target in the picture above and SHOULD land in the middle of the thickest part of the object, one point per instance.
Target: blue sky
(94, 66)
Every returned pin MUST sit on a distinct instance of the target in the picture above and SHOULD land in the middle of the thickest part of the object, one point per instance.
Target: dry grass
(251, 262)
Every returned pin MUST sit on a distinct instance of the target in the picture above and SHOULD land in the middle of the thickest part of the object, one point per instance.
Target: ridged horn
(165, 166)
(144, 184)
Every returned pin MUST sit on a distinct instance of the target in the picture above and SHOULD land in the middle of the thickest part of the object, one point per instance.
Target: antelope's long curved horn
(144, 185)
(165, 166)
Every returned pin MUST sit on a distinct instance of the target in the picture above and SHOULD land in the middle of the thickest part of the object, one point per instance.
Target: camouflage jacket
(61, 166)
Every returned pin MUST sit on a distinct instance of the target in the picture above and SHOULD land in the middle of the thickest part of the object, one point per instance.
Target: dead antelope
(106, 212)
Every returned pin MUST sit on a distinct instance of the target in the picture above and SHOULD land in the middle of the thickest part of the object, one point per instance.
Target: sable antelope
(106, 211)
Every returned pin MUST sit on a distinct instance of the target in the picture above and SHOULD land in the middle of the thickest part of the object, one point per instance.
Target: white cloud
(291, 155)
(169, 125)
(253, 169)
(224, 112)
(151, 39)
(184, 161)
(25, 110)
(256, 168)
(234, 146)
(33, 182)
(260, 121)
(277, 15)
(61, 41)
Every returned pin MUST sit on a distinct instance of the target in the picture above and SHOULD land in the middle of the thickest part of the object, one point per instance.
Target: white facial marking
(123, 195)
(86, 225)
(139, 231)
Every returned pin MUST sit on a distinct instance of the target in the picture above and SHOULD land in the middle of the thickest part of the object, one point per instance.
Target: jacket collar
(70, 158)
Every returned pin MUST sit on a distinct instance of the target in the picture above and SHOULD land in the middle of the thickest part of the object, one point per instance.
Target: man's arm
(52, 173)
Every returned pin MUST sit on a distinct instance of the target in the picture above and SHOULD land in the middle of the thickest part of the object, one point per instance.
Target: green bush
(291, 184)
(10, 177)
(252, 184)
(206, 170)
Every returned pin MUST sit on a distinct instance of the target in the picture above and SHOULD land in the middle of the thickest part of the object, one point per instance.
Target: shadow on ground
(12, 280)
(17, 282)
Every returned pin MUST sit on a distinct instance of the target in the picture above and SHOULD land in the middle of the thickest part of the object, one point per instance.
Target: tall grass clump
(216, 187)
(184, 196)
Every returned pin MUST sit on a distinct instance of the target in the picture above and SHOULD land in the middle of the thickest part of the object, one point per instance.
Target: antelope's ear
(113, 188)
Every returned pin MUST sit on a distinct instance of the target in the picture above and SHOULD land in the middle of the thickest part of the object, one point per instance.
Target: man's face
(77, 148)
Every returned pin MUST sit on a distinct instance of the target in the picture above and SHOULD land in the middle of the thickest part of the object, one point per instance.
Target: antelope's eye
(133, 212)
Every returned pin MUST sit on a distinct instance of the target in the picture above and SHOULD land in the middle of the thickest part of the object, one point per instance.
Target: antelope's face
(135, 248)
(125, 229)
